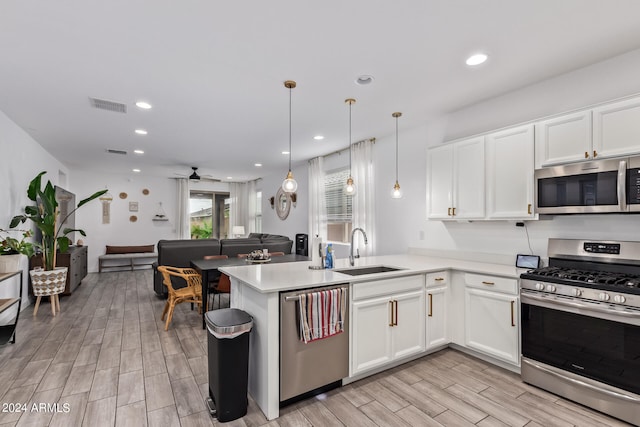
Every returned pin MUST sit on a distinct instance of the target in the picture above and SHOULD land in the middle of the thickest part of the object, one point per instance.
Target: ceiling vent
(121, 152)
(103, 104)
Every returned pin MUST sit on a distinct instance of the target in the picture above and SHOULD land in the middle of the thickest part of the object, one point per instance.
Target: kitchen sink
(358, 271)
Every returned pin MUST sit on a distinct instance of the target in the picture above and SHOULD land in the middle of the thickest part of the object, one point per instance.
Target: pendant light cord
(396, 148)
(350, 103)
(290, 128)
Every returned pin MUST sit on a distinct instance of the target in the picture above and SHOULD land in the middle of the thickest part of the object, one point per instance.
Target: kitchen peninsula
(421, 281)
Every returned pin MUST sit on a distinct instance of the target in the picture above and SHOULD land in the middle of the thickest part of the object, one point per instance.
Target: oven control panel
(602, 248)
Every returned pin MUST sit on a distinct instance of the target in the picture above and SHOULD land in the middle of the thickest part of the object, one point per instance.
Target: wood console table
(8, 332)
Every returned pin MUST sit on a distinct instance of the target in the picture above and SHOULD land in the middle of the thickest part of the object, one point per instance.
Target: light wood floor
(108, 358)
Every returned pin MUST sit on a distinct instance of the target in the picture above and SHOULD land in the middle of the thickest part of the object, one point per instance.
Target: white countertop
(297, 275)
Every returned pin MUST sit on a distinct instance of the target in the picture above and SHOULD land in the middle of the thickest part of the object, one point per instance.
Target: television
(66, 203)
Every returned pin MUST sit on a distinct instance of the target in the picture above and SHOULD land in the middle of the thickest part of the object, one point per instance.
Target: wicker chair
(191, 293)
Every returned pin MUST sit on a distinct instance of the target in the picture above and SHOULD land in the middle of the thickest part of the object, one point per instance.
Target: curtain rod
(373, 140)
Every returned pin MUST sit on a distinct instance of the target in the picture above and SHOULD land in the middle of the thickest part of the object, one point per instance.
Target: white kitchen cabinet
(616, 128)
(436, 302)
(387, 321)
(436, 317)
(455, 176)
(492, 316)
(564, 139)
(510, 166)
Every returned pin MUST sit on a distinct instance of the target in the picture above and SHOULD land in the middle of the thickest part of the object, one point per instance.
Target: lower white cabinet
(388, 327)
(436, 317)
(491, 323)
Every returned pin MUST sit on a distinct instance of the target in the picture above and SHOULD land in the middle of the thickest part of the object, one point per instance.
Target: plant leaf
(34, 186)
(93, 196)
(17, 220)
(63, 243)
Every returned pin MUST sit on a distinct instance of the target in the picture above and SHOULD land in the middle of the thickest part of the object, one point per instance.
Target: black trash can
(228, 344)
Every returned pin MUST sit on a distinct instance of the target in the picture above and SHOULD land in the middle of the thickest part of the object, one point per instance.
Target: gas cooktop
(620, 282)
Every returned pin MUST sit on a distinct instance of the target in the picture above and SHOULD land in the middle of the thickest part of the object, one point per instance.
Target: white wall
(22, 160)
(121, 231)
(298, 219)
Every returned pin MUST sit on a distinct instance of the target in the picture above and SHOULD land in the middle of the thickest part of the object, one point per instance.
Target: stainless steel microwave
(600, 186)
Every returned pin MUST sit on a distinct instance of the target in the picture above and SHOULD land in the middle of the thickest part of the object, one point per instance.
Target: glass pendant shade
(396, 193)
(350, 188)
(289, 185)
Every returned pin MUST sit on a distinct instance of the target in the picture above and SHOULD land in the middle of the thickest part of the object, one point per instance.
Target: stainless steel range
(581, 325)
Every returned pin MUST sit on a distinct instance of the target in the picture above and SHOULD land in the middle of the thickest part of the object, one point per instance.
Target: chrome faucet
(351, 257)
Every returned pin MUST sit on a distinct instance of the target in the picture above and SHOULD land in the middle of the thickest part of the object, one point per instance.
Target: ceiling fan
(196, 178)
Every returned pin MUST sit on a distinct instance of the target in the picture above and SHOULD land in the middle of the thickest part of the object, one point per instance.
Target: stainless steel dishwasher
(306, 367)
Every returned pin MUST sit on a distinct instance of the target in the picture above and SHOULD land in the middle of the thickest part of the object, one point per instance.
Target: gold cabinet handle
(586, 154)
(448, 211)
(529, 209)
(391, 313)
(488, 283)
(439, 279)
(395, 323)
(595, 154)
(513, 322)
(453, 211)
(430, 305)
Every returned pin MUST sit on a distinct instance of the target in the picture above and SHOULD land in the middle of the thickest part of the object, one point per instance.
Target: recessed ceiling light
(144, 105)
(257, 165)
(318, 137)
(476, 59)
(136, 170)
(141, 132)
(285, 152)
(138, 151)
(229, 177)
(364, 80)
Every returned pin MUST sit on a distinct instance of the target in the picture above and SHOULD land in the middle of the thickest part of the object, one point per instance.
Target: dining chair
(214, 278)
(191, 293)
(276, 253)
(224, 287)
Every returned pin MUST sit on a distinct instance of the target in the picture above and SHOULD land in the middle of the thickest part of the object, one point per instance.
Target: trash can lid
(228, 321)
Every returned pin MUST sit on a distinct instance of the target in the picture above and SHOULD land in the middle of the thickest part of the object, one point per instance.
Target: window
(259, 212)
(339, 206)
(209, 216)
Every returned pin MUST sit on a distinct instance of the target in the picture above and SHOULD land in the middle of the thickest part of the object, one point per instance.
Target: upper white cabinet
(510, 165)
(610, 130)
(455, 176)
(616, 128)
(564, 139)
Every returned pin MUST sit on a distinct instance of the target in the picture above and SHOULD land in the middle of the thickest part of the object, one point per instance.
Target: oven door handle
(599, 389)
(527, 296)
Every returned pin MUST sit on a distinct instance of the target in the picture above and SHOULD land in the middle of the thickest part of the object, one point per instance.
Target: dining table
(208, 267)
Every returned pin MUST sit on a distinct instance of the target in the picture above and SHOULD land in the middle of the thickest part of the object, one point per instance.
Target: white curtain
(364, 201)
(183, 226)
(243, 205)
(317, 201)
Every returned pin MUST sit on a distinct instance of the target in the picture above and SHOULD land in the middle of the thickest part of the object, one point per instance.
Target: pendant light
(396, 193)
(289, 185)
(350, 188)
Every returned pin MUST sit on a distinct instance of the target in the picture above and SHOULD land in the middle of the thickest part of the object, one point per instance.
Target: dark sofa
(179, 253)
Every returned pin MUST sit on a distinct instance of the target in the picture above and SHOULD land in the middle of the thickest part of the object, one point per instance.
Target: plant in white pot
(50, 280)
(12, 249)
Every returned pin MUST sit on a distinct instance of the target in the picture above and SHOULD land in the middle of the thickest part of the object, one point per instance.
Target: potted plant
(44, 214)
(11, 249)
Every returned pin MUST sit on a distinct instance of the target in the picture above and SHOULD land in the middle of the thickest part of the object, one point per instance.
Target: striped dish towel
(322, 314)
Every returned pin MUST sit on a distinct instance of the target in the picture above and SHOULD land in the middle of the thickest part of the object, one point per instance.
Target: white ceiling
(214, 71)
